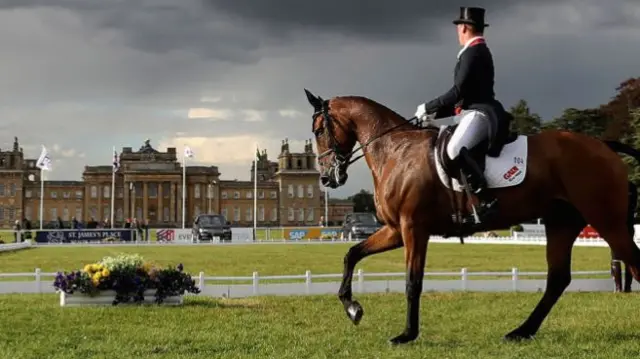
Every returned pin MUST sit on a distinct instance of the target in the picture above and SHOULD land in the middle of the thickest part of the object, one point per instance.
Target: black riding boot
(478, 185)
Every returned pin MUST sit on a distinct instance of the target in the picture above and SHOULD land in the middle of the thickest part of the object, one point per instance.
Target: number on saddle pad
(507, 170)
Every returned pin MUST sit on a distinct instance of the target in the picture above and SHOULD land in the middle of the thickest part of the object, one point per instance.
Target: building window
(301, 215)
(106, 192)
(196, 209)
(94, 212)
(310, 191)
(119, 192)
(94, 192)
(120, 214)
(1, 189)
(137, 187)
(291, 214)
(196, 191)
(274, 194)
(1, 214)
(261, 213)
(12, 190)
(106, 212)
(261, 194)
(224, 194)
(166, 190)
(27, 212)
(165, 214)
(66, 194)
(12, 213)
(54, 194)
(224, 213)
(290, 191)
(300, 191)
(236, 195)
(249, 195)
(236, 214)
(78, 194)
(310, 215)
(79, 213)
(152, 190)
(65, 214)
(27, 193)
(54, 214)
(274, 214)
(248, 214)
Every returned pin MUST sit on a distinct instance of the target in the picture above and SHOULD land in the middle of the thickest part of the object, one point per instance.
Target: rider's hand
(421, 112)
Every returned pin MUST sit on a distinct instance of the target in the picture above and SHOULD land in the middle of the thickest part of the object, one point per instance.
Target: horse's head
(335, 139)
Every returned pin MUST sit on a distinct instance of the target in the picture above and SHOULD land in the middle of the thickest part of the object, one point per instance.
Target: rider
(472, 91)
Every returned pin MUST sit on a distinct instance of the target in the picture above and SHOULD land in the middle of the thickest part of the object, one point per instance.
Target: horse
(548, 175)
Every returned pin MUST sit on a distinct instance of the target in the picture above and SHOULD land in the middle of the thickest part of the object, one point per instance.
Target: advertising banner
(83, 235)
(311, 233)
(174, 235)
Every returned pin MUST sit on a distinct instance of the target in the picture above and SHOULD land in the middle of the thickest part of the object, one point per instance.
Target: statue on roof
(146, 148)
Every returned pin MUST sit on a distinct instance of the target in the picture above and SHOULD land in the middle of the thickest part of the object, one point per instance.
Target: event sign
(310, 233)
(83, 235)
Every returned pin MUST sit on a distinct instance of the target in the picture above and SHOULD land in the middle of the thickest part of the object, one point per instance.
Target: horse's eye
(318, 131)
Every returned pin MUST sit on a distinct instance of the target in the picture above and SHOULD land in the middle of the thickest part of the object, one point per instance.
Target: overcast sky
(82, 76)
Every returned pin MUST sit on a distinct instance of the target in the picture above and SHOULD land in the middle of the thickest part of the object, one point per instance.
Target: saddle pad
(508, 170)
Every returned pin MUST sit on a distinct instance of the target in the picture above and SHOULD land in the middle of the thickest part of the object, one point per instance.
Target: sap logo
(512, 173)
(297, 234)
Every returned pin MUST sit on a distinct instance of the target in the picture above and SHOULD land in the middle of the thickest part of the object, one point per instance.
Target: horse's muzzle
(334, 177)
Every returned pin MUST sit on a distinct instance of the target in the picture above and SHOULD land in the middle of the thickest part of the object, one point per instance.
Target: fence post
(256, 281)
(201, 280)
(463, 276)
(307, 281)
(38, 280)
(360, 281)
(514, 278)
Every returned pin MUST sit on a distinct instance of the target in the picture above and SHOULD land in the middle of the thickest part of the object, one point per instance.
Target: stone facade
(148, 185)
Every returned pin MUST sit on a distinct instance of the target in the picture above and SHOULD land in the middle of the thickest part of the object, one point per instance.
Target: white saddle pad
(508, 170)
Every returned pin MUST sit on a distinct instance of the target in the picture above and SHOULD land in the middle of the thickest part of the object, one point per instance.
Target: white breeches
(473, 128)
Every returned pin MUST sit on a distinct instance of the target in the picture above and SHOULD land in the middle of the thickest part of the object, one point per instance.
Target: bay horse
(549, 175)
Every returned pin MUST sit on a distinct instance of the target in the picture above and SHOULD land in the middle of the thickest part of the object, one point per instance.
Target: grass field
(583, 325)
(281, 259)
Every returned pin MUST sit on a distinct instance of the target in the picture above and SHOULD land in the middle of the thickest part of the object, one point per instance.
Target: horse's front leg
(385, 239)
(415, 242)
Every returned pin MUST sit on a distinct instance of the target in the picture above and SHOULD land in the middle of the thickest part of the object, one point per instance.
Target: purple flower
(180, 267)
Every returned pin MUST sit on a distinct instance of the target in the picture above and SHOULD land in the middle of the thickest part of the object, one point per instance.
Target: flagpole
(113, 188)
(255, 193)
(184, 189)
(41, 197)
(326, 207)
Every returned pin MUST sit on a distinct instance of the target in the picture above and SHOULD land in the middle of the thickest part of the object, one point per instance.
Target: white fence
(314, 284)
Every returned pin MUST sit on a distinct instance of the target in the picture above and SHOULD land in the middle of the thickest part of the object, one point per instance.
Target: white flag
(44, 161)
(116, 161)
(188, 152)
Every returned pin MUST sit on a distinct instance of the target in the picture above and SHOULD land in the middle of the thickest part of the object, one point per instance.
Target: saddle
(491, 147)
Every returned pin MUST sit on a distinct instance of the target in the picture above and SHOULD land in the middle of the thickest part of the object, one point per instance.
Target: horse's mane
(382, 111)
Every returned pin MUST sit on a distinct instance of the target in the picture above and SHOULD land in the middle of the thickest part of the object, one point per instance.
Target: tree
(592, 122)
(620, 108)
(363, 202)
(524, 122)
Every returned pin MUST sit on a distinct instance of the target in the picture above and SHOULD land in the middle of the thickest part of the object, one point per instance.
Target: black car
(208, 227)
(359, 225)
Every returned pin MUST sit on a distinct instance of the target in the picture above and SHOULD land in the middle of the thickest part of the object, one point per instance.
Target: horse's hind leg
(385, 239)
(563, 223)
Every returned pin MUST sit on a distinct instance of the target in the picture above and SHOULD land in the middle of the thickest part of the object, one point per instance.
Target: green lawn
(280, 259)
(462, 325)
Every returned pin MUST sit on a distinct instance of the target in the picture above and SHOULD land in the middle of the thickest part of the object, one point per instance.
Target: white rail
(305, 284)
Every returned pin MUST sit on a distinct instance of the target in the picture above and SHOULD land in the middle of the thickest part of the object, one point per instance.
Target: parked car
(359, 225)
(209, 227)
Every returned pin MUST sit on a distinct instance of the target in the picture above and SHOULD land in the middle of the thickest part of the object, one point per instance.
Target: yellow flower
(147, 267)
(87, 268)
(105, 272)
(95, 267)
(95, 281)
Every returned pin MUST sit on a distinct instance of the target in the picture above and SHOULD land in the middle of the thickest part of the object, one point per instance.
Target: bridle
(343, 160)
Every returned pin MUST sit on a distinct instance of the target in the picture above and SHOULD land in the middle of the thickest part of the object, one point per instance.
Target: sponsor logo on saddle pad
(512, 173)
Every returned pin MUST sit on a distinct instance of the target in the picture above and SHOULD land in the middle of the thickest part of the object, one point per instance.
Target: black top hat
(471, 15)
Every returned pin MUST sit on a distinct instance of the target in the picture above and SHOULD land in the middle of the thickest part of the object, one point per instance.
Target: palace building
(148, 186)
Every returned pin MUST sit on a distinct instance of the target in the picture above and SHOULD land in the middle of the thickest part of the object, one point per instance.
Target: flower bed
(126, 278)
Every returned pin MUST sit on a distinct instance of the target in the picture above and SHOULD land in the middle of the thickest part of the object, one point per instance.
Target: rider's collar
(468, 43)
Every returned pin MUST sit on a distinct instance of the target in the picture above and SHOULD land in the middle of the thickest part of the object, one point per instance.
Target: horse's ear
(314, 101)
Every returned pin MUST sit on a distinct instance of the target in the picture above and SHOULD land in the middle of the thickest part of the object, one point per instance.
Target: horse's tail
(620, 147)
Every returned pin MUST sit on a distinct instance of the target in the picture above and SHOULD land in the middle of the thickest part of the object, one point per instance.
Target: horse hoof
(355, 312)
(403, 338)
(518, 336)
